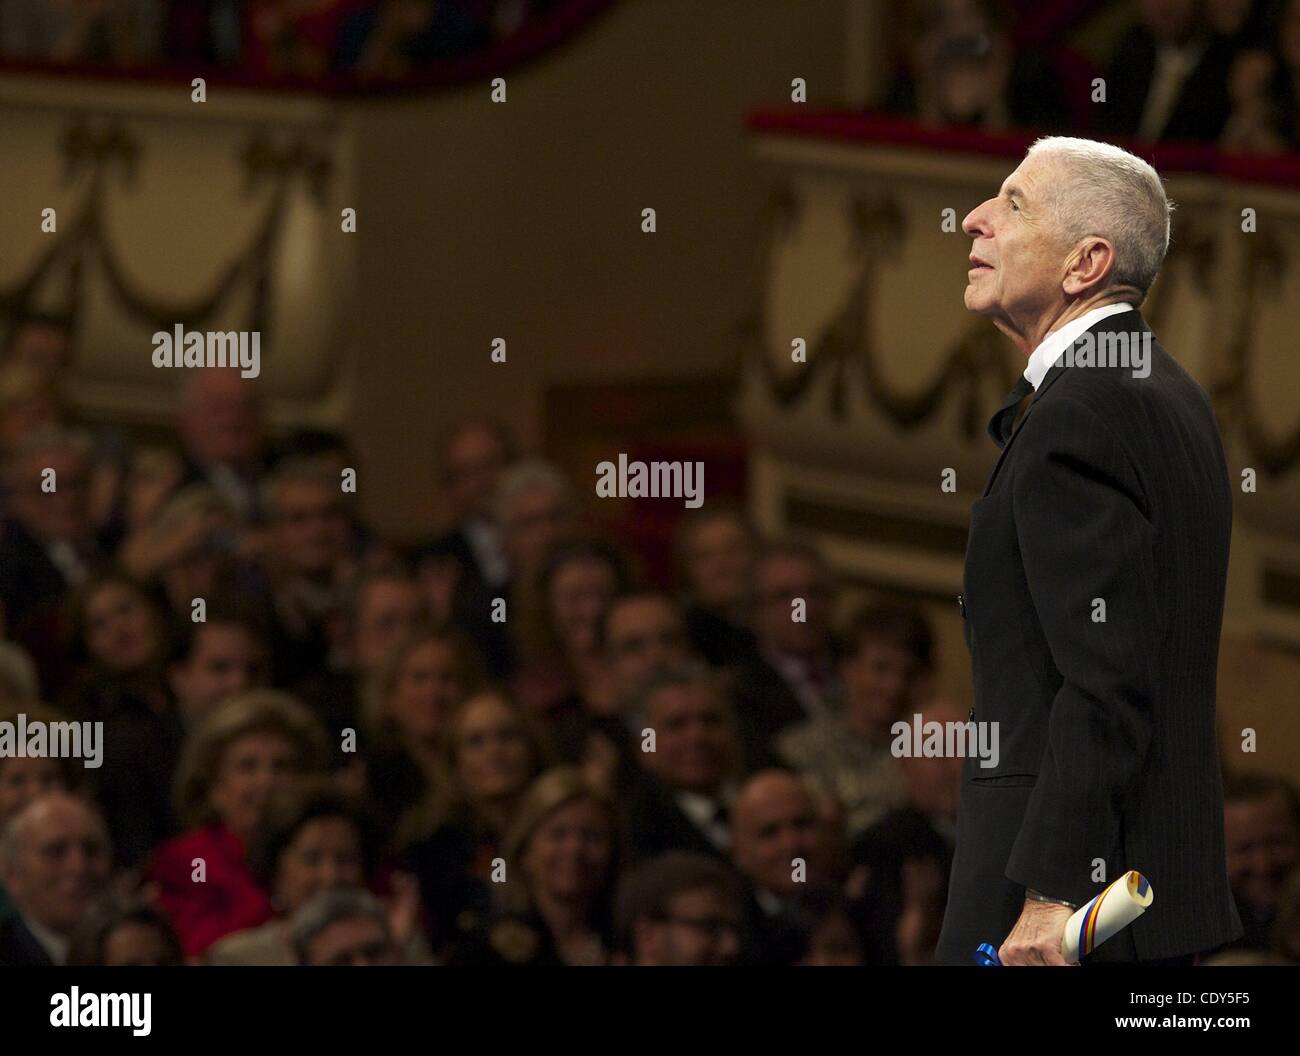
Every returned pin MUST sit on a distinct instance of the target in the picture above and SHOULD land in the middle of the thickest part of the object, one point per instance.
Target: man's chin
(975, 302)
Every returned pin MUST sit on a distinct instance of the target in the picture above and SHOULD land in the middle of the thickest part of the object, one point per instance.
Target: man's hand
(1036, 938)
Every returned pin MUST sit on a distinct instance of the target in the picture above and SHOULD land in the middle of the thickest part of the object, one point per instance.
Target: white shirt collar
(1054, 344)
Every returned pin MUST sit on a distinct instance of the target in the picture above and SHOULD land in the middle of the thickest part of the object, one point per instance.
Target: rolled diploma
(1117, 907)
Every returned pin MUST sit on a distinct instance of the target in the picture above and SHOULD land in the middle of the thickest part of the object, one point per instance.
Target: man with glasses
(681, 909)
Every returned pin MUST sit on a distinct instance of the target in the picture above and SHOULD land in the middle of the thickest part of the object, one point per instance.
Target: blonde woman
(560, 857)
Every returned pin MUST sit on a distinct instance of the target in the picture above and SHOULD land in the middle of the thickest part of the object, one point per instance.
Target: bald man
(220, 423)
(54, 862)
(777, 846)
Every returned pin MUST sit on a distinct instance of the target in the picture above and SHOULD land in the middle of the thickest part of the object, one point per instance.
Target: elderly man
(1094, 584)
(779, 847)
(54, 862)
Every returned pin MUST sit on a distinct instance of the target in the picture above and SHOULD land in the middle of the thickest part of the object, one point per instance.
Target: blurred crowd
(501, 745)
(1223, 72)
(296, 38)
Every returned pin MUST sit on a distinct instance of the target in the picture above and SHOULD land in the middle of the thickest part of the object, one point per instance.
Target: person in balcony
(396, 38)
(116, 32)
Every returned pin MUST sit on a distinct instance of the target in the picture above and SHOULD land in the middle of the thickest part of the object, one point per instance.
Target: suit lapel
(1105, 326)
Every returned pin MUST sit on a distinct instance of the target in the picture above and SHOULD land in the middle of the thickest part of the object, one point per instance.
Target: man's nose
(974, 225)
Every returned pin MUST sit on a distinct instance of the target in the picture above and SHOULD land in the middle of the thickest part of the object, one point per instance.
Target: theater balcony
(864, 260)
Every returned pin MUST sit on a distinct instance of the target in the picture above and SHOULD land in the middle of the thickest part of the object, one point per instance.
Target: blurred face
(779, 580)
(569, 855)
(537, 519)
(1169, 20)
(775, 823)
(642, 635)
(1227, 16)
(41, 345)
(1263, 847)
(220, 419)
(252, 768)
(878, 679)
(61, 514)
(387, 611)
(834, 944)
(23, 780)
(356, 942)
(324, 855)
(62, 863)
(718, 561)
(580, 590)
(121, 628)
(135, 943)
(475, 459)
(1018, 253)
(310, 531)
(226, 660)
(426, 691)
(701, 927)
(694, 738)
(493, 761)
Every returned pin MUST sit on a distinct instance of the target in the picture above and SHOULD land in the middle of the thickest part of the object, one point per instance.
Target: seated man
(685, 803)
(681, 909)
(54, 863)
(777, 844)
(343, 928)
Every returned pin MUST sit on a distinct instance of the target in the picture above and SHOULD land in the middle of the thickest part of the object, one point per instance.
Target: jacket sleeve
(1085, 540)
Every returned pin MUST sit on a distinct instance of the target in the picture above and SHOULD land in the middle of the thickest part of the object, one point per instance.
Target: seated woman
(492, 752)
(562, 667)
(245, 751)
(404, 712)
(312, 839)
(125, 930)
(561, 861)
(120, 645)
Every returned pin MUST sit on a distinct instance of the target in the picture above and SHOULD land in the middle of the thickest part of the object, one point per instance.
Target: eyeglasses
(715, 926)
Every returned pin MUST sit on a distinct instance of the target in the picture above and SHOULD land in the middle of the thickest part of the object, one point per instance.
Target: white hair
(1105, 191)
(529, 474)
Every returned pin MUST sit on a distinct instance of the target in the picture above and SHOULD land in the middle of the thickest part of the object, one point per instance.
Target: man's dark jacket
(1112, 489)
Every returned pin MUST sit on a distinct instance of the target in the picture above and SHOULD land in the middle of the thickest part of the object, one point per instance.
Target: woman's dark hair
(92, 934)
(290, 812)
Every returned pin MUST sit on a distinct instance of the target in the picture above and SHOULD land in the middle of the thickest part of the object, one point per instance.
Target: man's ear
(1088, 266)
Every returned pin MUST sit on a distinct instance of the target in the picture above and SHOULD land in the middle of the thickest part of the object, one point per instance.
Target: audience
(681, 909)
(347, 928)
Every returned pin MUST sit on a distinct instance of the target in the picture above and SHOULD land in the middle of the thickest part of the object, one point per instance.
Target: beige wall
(522, 220)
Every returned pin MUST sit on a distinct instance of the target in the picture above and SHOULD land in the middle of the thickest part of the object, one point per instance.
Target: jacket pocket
(1006, 781)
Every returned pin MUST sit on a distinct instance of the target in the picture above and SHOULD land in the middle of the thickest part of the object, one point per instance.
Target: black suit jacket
(28, 578)
(655, 824)
(1202, 107)
(1113, 488)
(18, 946)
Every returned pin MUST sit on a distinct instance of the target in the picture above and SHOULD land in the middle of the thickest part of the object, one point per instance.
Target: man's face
(776, 822)
(701, 927)
(62, 863)
(221, 420)
(387, 611)
(475, 459)
(310, 529)
(1263, 847)
(537, 519)
(694, 738)
(353, 941)
(227, 659)
(718, 560)
(61, 514)
(1019, 257)
(779, 580)
(642, 635)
